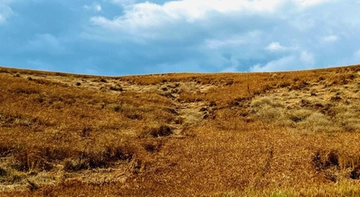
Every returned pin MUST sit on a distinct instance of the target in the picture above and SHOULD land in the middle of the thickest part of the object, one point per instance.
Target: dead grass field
(228, 134)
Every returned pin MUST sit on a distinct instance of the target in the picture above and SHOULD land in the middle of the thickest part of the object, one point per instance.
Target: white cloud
(309, 3)
(330, 38)
(5, 11)
(254, 33)
(150, 21)
(141, 19)
(307, 58)
(123, 2)
(94, 7)
(275, 47)
(235, 41)
(304, 60)
(281, 64)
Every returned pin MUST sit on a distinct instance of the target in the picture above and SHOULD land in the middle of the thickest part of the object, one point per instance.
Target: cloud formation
(5, 11)
(116, 37)
(276, 47)
(270, 35)
(94, 7)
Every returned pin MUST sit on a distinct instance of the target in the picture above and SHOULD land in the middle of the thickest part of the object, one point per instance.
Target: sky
(127, 37)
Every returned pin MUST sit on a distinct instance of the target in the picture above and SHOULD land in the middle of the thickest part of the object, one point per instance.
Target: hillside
(228, 134)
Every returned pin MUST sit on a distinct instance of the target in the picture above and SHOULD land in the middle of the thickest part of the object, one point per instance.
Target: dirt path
(189, 113)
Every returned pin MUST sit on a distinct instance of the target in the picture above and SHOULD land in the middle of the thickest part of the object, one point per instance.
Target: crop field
(225, 134)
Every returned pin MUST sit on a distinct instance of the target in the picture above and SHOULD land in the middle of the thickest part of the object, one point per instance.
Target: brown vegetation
(254, 134)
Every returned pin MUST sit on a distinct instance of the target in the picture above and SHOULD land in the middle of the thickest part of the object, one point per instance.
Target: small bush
(259, 102)
(30, 161)
(269, 114)
(348, 119)
(101, 159)
(317, 122)
(267, 109)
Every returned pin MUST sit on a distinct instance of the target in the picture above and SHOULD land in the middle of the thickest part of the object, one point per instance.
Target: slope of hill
(253, 134)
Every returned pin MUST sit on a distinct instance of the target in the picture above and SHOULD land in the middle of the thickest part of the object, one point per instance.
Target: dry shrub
(38, 158)
(317, 122)
(26, 160)
(269, 114)
(348, 118)
(259, 102)
(267, 109)
(100, 159)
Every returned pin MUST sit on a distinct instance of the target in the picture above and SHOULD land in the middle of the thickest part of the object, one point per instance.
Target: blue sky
(125, 37)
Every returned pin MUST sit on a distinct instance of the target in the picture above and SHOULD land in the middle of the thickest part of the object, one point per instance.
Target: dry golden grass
(254, 134)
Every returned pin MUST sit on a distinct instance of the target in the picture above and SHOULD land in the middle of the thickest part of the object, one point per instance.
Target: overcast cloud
(122, 37)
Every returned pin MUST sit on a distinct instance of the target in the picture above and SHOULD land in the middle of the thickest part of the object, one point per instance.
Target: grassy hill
(253, 134)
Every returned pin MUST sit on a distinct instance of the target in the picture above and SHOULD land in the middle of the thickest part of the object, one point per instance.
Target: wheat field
(226, 134)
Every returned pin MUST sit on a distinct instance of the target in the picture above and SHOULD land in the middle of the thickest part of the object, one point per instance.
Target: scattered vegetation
(253, 134)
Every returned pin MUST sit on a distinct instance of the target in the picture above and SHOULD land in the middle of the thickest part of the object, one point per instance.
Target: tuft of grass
(348, 118)
(317, 122)
(267, 109)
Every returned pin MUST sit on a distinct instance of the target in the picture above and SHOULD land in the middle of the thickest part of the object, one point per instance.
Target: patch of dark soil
(239, 102)
(322, 161)
(116, 88)
(152, 147)
(161, 131)
(355, 174)
(336, 98)
(2, 172)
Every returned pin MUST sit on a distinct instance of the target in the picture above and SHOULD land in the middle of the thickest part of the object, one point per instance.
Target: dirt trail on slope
(189, 113)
